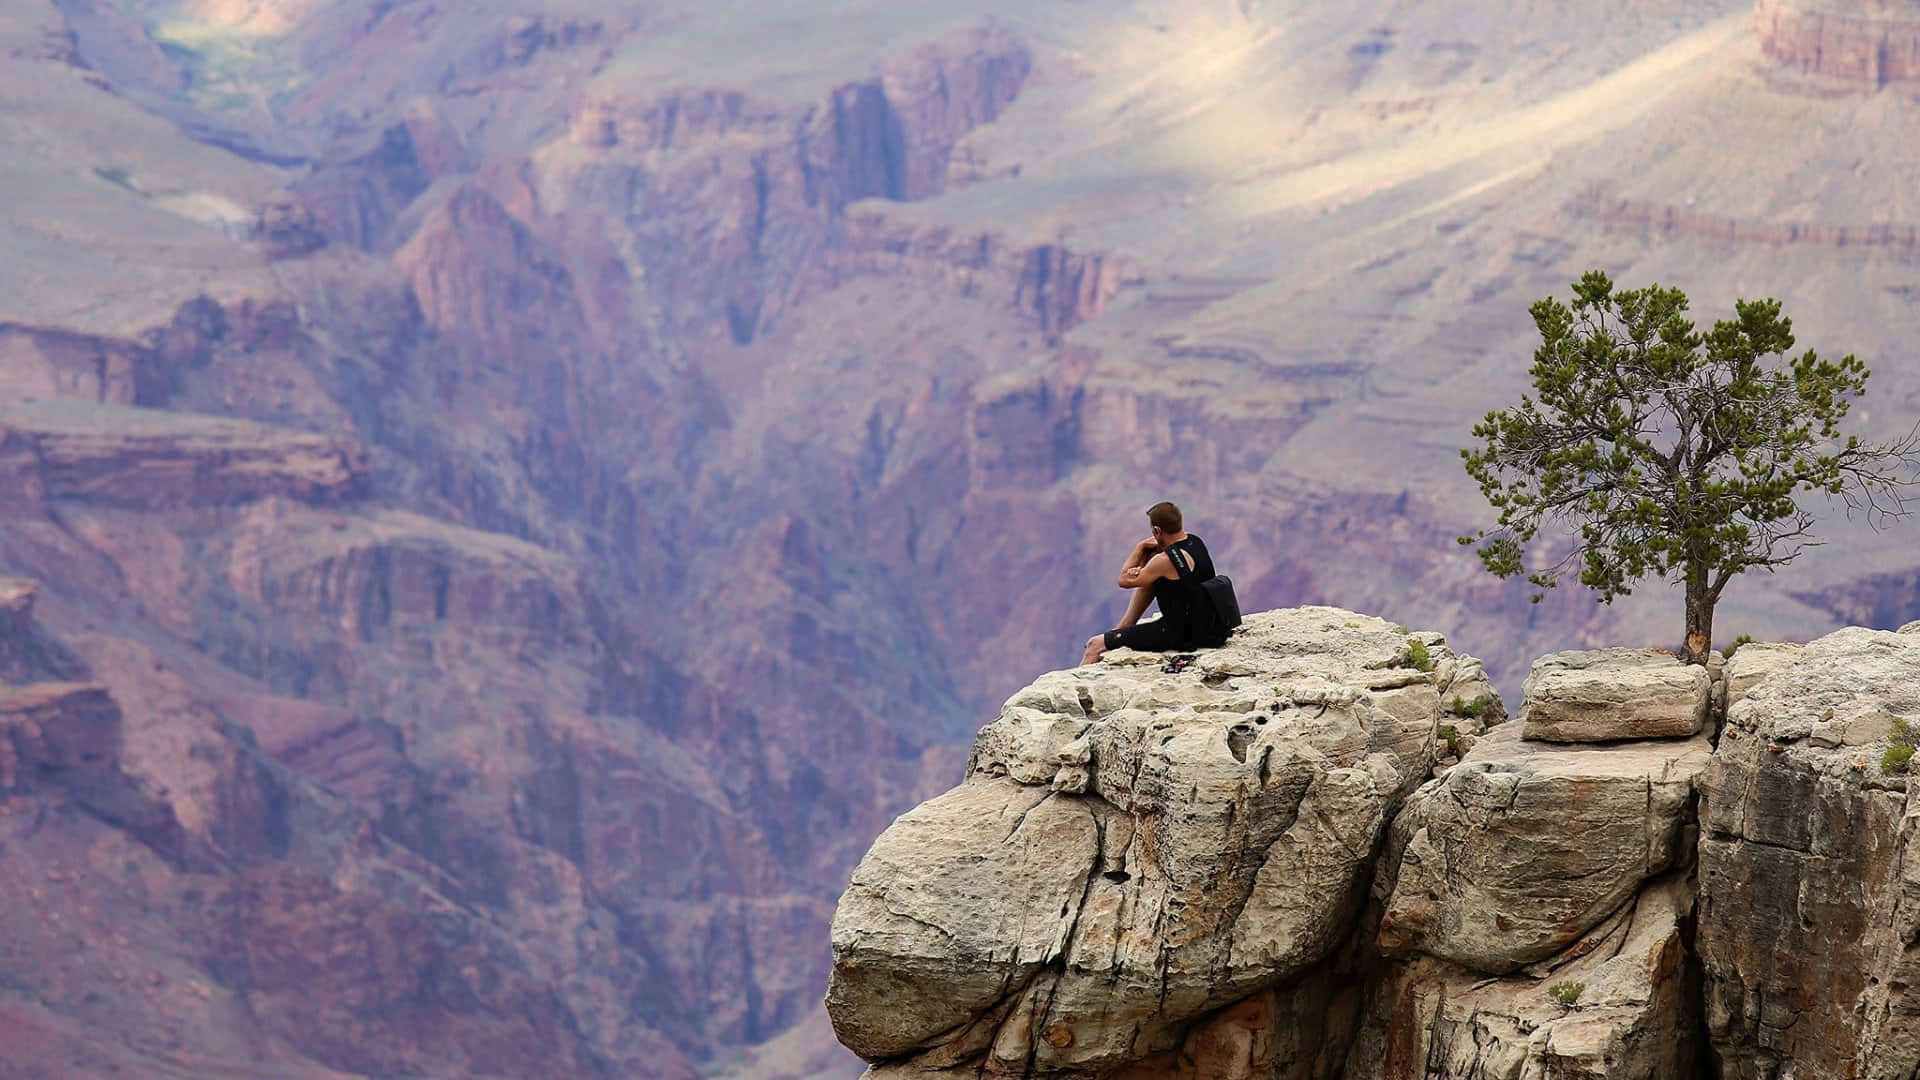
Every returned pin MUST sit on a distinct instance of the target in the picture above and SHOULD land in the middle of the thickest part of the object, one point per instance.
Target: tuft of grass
(1476, 709)
(1900, 751)
(1743, 639)
(1565, 992)
(1451, 736)
(1417, 655)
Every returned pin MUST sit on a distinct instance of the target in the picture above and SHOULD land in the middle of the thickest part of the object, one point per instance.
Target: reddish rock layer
(1868, 44)
(1671, 221)
(156, 459)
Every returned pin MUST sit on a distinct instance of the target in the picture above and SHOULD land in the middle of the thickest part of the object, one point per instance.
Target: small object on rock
(1179, 663)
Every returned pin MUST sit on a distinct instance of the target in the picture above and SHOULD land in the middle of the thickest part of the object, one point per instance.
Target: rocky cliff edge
(1321, 852)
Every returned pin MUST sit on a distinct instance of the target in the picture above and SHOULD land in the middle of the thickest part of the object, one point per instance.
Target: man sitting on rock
(1169, 567)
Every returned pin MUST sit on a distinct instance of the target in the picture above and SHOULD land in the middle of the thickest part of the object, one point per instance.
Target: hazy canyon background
(504, 500)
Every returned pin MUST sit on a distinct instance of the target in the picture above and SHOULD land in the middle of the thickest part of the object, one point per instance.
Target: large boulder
(1134, 848)
(1602, 695)
(1515, 853)
(1809, 901)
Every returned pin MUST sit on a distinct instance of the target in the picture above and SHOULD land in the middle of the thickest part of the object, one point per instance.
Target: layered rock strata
(151, 459)
(1868, 44)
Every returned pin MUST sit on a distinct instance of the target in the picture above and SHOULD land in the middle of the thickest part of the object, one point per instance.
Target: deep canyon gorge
(505, 501)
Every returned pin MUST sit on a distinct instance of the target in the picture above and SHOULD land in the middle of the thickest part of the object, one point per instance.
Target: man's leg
(1137, 603)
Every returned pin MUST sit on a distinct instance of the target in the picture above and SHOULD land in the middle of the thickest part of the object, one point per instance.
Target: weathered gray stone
(1432, 1020)
(1133, 850)
(1471, 703)
(1512, 855)
(1603, 695)
(1753, 662)
(1810, 885)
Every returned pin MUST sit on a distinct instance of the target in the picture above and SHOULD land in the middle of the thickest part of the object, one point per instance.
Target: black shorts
(1156, 636)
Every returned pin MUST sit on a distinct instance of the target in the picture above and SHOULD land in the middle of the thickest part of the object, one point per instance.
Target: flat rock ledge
(1133, 849)
(1604, 695)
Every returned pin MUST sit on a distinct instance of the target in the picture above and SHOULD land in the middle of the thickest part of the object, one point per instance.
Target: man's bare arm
(1155, 567)
(1138, 557)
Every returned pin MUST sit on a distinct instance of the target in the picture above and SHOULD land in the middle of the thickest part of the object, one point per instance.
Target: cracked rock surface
(1133, 849)
(1809, 885)
(1621, 1010)
(1525, 846)
(1601, 695)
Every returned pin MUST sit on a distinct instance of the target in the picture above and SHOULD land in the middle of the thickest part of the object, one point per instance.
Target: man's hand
(1147, 546)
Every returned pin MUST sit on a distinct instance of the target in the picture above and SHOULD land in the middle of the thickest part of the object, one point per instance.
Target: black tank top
(1179, 596)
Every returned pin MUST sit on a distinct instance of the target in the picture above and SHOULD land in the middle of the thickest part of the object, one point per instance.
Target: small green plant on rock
(1417, 656)
(1565, 992)
(1900, 753)
(1450, 735)
(1743, 639)
(1477, 709)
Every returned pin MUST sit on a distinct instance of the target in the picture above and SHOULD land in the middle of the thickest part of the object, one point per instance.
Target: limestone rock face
(1133, 849)
(1524, 847)
(1809, 901)
(1607, 694)
(1628, 1017)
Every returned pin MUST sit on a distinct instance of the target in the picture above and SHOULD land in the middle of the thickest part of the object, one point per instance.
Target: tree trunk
(1700, 601)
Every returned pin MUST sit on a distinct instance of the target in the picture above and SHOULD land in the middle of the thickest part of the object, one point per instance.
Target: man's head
(1165, 518)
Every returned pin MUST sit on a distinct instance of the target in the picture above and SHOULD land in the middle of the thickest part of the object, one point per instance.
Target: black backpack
(1218, 610)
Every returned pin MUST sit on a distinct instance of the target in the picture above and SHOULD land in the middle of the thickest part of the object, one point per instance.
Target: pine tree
(1672, 452)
